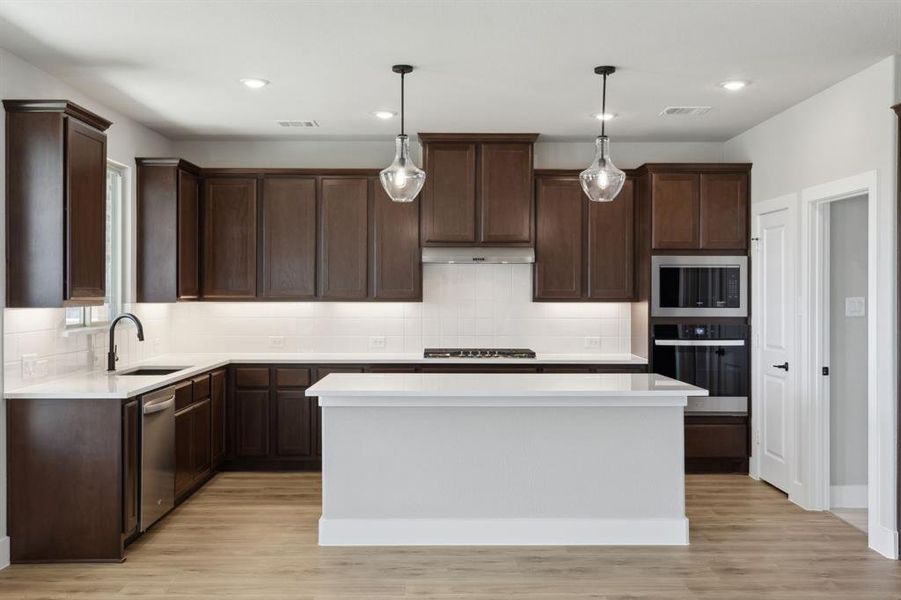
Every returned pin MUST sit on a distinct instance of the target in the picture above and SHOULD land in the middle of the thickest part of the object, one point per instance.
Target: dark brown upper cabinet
(288, 233)
(611, 247)
(168, 230)
(395, 257)
(698, 207)
(343, 238)
(676, 201)
(724, 211)
(449, 194)
(559, 204)
(505, 193)
(56, 204)
(584, 251)
(478, 189)
(230, 238)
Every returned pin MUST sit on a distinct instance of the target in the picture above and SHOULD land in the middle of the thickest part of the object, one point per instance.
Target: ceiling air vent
(685, 110)
(299, 123)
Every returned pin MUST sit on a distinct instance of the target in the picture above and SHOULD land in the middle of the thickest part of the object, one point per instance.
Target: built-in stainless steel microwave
(699, 286)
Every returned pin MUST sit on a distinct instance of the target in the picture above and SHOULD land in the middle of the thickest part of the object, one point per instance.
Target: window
(92, 316)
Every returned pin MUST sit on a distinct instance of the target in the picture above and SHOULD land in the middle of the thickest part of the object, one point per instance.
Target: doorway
(792, 425)
(844, 264)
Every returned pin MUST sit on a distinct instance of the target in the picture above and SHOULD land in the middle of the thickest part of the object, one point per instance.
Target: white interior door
(774, 280)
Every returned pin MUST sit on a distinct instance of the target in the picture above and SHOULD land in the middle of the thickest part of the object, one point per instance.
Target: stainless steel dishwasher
(157, 455)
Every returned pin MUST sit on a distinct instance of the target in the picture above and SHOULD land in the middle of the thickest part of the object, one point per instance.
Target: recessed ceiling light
(602, 117)
(385, 114)
(254, 83)
(733, 85)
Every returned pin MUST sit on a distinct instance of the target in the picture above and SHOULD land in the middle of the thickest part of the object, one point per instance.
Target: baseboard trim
(848, 496)
(503, 532)
(4, 552)
(884, 541)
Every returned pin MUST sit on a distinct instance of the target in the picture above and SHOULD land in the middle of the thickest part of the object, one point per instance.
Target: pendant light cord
(603, 108)
(402, 103)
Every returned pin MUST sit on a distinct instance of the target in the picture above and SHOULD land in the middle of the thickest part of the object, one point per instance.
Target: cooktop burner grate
(478, 353)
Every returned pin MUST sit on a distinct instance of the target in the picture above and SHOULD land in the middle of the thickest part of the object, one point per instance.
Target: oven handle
(699, 342)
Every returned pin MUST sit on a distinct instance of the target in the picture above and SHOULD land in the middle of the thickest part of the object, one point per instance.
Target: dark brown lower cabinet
(193, 445)
(217, 417)
(200, 436)
(54, 448)
(184, 467)
(294, 424)
(252, 423)
(74, 469)
(131, 466)
(716, 444)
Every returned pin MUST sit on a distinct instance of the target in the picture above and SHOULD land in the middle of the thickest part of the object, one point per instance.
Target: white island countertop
(501, 389)
(99, 384)
(508, 459)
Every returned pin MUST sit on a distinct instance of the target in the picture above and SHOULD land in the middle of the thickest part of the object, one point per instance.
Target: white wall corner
(4, 552)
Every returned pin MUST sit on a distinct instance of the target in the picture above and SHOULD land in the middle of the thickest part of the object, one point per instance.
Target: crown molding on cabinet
(59, 106)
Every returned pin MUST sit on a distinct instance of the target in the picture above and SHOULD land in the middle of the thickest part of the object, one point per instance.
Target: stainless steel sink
(151, 371)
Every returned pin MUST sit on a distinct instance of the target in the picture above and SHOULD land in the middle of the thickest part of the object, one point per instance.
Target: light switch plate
(855, 306)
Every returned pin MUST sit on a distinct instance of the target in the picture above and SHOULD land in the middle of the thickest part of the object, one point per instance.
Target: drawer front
(184, 395)
(201, 387)
(252, 377)
(716, 440)
(291, 377)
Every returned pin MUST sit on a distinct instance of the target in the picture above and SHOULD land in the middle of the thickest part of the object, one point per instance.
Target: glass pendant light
(402, 179)
(602, 181)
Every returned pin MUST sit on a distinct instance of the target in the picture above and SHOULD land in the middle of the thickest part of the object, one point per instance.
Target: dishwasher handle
(159, 406)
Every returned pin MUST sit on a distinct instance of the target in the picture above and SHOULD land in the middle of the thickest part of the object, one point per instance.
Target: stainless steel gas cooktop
(478, 353)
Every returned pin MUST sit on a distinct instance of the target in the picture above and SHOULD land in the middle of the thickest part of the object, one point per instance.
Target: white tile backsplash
(41, 332)
(463, 305)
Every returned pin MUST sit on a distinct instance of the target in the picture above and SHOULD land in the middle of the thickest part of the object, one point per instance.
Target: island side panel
(503, 475)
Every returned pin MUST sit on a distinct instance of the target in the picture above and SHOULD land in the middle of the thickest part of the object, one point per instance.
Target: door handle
(783, 366)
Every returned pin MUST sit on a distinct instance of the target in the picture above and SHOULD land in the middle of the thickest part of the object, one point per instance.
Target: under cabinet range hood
(478, 255)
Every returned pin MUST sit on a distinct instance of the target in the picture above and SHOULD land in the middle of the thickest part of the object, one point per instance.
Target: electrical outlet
(29, 366)
(34, 367)
(593, 343)
(156, 345)
(377, 342)
(276, 341)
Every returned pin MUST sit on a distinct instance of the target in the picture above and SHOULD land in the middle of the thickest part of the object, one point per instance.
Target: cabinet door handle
(783, 366)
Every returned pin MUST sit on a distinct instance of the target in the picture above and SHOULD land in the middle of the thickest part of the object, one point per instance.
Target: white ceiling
(507, 66)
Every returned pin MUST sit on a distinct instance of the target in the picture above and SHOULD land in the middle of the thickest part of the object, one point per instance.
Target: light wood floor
(253, 536)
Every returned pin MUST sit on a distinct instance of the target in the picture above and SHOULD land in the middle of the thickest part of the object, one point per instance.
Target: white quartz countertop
(528, 389)
(99, 384)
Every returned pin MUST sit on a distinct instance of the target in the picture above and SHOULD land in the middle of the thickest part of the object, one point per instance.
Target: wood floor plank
(253, 536)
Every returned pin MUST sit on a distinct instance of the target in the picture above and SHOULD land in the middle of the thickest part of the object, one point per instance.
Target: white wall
(841, 132)
(463, 305)
(41, 329)
(848, 346)
(319, 154)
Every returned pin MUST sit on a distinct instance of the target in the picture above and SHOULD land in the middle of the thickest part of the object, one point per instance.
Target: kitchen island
(502, 459)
